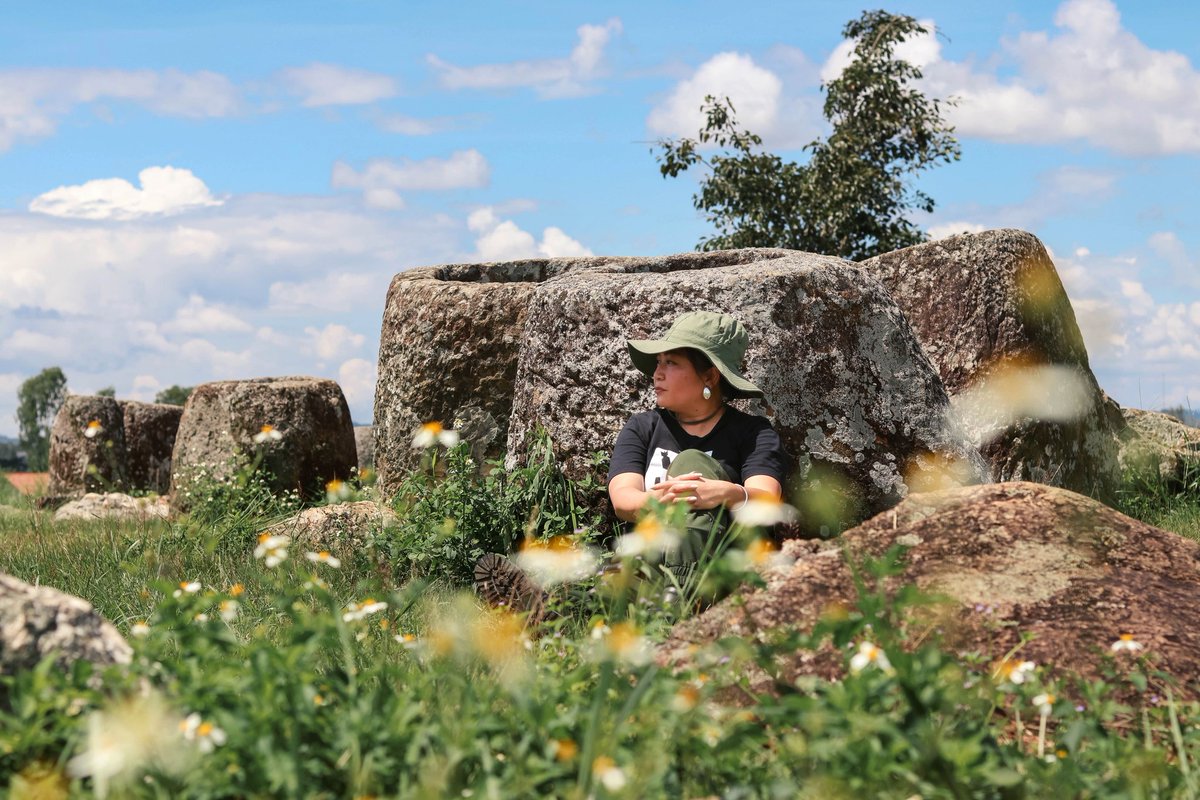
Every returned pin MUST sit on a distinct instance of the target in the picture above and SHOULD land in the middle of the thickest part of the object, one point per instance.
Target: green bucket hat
(719, 336)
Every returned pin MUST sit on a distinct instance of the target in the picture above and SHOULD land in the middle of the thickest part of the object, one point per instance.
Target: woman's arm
(628, 494)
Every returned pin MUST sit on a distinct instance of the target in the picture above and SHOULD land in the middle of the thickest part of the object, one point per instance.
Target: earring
(707, 393)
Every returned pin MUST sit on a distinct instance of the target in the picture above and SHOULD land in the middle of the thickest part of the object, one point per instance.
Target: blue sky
(193, 193)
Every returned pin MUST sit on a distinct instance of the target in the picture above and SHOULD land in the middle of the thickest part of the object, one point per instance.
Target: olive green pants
(704, 526)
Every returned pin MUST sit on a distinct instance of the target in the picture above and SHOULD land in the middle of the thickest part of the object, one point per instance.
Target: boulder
(36, 621)
(448, 347)
(302, 425)
(1160, 443)
(113, 505)
(849, 389)
(991, 314)
(364, 445)
(1011, 559)
(150, 430)
(339, 527)
(87, 447)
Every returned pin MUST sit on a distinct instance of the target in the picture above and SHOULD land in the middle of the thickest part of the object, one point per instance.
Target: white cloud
(333, 85)
(357, 379)
(341, 291)
(164, 190)
(504, 240)
(944, 229)
(786, 115)
(381, 178)
(920, 51)
(144, 388)
(197, 316)
(33, 344)
(1091, 80)
(334, 341)
(551, 77)
(33, 101)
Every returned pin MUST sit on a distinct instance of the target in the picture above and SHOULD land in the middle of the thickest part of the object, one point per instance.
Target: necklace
(720, 408)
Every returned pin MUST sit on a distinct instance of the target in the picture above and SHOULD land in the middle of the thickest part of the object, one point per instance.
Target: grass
(311, 702)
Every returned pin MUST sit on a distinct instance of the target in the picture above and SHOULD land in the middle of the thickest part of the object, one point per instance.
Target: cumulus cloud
(320, 84)
(340, 291)
(920, 51)
(504, 240)
(33, 101)
(551, 77)
(197, 316)
(357, 378)
(334, 341)
(1090, 80)
(382, 179)
(785, 115)
(164, 190)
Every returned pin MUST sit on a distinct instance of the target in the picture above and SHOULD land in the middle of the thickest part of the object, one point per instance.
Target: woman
(694, 448)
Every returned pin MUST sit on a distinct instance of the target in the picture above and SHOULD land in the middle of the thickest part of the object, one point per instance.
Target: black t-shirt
(744, 444)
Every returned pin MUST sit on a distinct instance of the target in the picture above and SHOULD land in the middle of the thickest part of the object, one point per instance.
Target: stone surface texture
(36, 621)
(79, 463)
(113, 505)
(364, 445)
(983, 305)
(1159, 441)
(1011, 559)
(339, 528)
(448, 350)
(849, 388)
(221, 419)
(150, 430)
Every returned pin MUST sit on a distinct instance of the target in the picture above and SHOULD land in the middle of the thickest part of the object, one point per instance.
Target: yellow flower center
(237, 589)
(432, 428)
(205, 729)
(266, 429)
(1126, 637)
(565, 749)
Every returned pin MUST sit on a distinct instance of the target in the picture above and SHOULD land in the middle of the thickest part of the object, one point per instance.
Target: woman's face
(677, 385)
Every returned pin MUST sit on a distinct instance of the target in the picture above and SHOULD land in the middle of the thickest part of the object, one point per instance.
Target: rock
(309, 439)
(449, 345)
(364, 445)
(991, 314)
(36, 621)
(113, 505)
(150, 430)
(1159, 442)
(850, 392)
(87, 447)
(1012, 559)
(339, 527)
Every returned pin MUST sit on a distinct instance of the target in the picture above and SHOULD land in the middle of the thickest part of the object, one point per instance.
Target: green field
(293, 681)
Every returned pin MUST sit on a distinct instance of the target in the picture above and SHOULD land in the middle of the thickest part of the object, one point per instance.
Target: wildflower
(563, 749)
(229, 610)
(201, 617)
(315, 583)
(625, 643)
(206, 735)
(609, 774)
(870, 654)
(600, 629)
(432, 433)
(318, 700)
(125, 738)
(336, 491)
(1014, 671)
(557, 560)
(272, 548)
(323, 557)
(1044, 702)
(187, 587)
(686, 698)
(237, 590)
(406, 640)
(1126, 644)
(139, 629)
(267, 433)
(650, 538)
(357, 611)
(759, 554)
(763, 511)
(93, 429)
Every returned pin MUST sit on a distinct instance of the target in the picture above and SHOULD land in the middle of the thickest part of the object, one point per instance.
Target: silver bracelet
(745, 496)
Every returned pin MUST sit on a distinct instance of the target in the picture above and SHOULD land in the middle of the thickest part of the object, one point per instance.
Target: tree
(38, 400)
(853, 197)
(107, 391)
(173, 395)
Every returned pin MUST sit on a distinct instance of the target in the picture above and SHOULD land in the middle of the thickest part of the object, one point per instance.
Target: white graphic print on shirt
(659, 463)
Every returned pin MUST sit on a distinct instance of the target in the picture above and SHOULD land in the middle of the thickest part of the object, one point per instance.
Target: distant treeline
(1185, 415)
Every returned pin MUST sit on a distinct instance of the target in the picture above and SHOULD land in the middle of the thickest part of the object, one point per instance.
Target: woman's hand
(697, 491)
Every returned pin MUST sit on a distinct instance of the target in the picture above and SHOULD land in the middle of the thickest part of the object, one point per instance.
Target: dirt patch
(28, 482)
